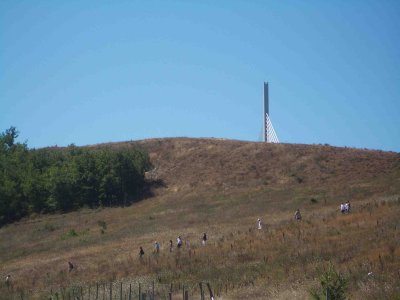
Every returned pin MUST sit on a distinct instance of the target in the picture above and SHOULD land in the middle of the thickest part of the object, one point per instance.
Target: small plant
(69, 234)
(49, 227)
(333, 285)
(392, 249)
(103, 226)
(313, 201)
(72, 233)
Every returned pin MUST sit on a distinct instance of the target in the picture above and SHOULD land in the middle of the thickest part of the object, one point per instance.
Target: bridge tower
(268, 130)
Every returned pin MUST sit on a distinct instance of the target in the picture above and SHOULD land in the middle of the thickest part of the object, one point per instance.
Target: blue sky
(88, 72)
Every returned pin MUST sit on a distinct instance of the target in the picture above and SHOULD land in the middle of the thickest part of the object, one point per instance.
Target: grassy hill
(221, 187)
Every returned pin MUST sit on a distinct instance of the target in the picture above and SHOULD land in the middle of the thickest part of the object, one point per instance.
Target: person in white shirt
(342, 208)
(297, 215)
(259, 223)
(346, 207)
(179, 242)
(157, 246)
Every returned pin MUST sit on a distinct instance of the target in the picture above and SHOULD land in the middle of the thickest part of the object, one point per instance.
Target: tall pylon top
(269, 132)
(266, 100)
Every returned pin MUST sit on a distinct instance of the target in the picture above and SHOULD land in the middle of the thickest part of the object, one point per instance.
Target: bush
(333, 285)
(49, 227)
(103, 226)
(70, 234)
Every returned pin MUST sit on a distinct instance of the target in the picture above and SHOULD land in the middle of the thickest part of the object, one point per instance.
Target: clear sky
(89, 72)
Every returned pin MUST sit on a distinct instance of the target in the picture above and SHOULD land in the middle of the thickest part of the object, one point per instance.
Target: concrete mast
(266, 111)
(269, 132)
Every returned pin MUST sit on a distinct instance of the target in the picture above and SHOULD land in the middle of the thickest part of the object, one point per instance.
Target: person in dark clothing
(70, 266)
(170, 245)
(8, 281)
(204, 239)
(141, 252)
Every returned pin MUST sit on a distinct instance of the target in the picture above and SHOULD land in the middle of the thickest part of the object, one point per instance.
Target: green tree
(8, 137)
(64, 179)
(333, 285)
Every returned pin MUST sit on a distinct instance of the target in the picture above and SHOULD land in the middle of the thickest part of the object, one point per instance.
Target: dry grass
(222, 187)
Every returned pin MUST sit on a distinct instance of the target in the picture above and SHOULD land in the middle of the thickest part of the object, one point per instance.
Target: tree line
(64, 179)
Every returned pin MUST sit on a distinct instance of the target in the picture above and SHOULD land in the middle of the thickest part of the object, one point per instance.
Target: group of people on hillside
(345, 208)
(179, 244)
(297, 217)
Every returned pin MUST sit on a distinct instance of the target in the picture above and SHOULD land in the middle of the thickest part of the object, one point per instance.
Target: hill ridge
(190, 162)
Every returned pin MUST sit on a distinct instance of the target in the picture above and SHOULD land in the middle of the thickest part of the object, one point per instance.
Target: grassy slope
(222, 187)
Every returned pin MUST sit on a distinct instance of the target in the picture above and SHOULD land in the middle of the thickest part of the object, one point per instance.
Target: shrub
(333, 285)
(103, 226)
(49, 227)
(69, 234)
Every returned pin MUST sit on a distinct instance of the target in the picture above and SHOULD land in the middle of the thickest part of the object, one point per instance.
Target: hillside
(229, 161)
(221, 187)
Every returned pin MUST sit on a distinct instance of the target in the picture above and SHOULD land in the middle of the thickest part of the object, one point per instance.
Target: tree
(64, 179)
(7, 139)
(333, 285)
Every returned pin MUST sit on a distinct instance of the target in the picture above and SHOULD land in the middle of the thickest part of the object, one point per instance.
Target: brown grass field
(221, 187)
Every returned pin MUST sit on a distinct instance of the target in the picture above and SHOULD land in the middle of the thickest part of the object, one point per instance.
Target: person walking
(297, 215)
(8, 281)
(157, 247)
(179, 242)
(141, 252)
(259, 224)
(70, 266)
(342, 208)
(348, 207)
(204, 240)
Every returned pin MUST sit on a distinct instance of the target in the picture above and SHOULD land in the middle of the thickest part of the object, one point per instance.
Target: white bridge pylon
(270, 135)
